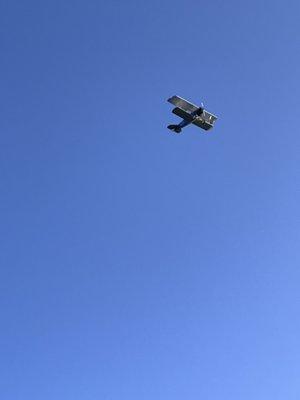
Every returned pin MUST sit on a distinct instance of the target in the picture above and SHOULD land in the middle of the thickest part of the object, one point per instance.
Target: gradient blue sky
(138, 264)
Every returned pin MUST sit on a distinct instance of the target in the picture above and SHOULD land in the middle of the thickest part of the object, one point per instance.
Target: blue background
(135, 263)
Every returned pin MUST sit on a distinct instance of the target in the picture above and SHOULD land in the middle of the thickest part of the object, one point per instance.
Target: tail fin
(174, 128)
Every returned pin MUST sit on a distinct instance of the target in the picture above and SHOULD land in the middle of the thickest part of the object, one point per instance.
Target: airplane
(190, 114)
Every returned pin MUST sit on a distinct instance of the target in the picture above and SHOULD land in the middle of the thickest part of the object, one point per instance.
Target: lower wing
(205, 121)
(183, 114)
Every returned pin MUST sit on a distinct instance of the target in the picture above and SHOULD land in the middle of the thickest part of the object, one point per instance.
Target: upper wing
(183, 104)
(208, 117)
(184, 109)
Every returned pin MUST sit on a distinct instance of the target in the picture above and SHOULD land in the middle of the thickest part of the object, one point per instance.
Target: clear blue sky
(138, 264)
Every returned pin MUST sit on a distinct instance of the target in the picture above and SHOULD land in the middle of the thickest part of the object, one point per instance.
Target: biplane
(190, 114)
